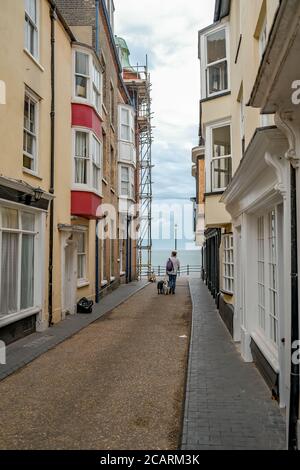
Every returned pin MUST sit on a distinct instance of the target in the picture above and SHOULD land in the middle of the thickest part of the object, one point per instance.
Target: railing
(185, 270)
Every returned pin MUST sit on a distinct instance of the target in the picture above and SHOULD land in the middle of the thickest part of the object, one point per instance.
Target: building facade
(66, 114)
(249, 125)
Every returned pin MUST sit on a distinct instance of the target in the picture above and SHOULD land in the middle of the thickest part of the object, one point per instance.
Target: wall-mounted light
(35, 196)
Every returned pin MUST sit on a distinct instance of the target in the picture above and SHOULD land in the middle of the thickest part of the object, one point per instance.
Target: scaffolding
(138, 83)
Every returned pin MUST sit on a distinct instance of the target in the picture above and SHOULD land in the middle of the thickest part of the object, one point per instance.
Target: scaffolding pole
(139, 87)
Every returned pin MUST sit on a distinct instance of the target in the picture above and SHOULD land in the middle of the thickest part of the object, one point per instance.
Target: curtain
(27, 272)
(9, 273)
(81, 157)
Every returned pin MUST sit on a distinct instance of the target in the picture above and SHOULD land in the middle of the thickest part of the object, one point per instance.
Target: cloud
(167, 30)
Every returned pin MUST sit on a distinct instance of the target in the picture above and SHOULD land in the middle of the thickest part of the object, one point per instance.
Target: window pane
(96, 151)
(82, 63)
(216, 46)
(217, 77)
(28, 220)
(30, 8)
(221, 141)
(27, 271)
(125, 132)
(10, 218)
(81, 87)
(125, 116)
(81, 144)
(9, 273)
(221, 173)
(81, 170)
(81, 243)
(28, 162)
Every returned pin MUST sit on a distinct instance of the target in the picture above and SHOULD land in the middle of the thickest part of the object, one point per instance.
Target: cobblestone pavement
(228, 405)
(117, 384)
(27, 349)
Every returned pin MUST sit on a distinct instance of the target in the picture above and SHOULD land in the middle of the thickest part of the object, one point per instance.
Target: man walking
(172, 268)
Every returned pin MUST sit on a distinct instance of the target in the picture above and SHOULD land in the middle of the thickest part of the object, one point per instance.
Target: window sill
(214, 193)
(113, 190)
(13, 317)
(122, 273)
(216, 95)
(82, 283)
(105, 181)
(104, 283)
(268, 350)
(112, 279)
(112, 128)
(34, 60)
(31, 173)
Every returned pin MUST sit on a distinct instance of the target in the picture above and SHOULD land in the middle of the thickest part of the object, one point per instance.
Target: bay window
(221, 167)
(214, 61)
(87, 160)
(88, 80)
(31, 27)
(17, 260)
(30, 127)
(81, 74)
(96, 92)
(127, 181)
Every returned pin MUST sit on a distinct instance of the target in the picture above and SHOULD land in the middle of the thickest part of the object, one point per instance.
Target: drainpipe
(52, 156)
(127, 248)
(97, 27)
(97, 297)
(294, 390)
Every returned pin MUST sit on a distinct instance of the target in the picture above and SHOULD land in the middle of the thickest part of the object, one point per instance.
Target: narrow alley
(118, 384)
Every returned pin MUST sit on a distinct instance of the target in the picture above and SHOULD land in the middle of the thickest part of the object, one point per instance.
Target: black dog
(160, 287)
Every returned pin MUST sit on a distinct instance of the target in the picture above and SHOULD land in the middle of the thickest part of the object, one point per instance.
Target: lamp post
(175, 229)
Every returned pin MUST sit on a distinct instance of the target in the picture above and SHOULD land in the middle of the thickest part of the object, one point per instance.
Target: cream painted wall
(215, 213)
(246, 19)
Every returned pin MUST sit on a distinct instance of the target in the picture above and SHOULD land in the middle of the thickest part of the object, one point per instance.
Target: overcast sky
(167, 30)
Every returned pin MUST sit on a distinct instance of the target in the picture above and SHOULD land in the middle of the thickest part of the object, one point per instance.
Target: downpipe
(294, 379)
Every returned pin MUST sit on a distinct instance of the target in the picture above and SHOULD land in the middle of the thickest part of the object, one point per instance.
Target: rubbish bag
(84, 305)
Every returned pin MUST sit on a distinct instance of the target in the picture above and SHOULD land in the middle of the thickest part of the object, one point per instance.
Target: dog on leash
(163, 287)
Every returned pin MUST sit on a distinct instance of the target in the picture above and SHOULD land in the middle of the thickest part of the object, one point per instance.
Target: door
(69, 280)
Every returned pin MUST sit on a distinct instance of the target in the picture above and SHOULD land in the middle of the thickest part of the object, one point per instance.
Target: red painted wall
(84, 115)
(85, 204)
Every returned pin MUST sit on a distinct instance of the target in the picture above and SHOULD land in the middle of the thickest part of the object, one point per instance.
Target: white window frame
(92, 86)
(130, 125)
(131, 183)
(268, 312)
(90, 162)
(34, 157)
(35, 26)
(228, 264)
(209, 154)
(204, 62)
(39, 239)
(83, 279)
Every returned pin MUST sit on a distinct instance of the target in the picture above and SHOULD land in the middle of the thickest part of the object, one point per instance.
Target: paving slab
(228, 405)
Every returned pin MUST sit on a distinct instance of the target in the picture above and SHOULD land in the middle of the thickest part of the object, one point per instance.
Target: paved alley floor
(228, 406)
(117, 384)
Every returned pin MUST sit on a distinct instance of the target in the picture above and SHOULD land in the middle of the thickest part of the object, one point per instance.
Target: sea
(186, 257)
